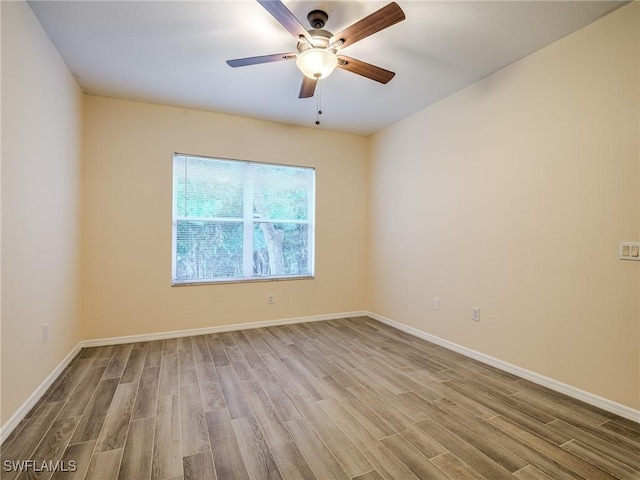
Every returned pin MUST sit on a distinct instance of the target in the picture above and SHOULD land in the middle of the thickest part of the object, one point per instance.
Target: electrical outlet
(436, 304)
(475, 314)
(45, 332)
(271, 299)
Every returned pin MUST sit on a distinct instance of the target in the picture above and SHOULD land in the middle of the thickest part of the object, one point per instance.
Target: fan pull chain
(319, 103)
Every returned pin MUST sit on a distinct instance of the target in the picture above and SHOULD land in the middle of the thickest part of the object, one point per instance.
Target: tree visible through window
(236, 220)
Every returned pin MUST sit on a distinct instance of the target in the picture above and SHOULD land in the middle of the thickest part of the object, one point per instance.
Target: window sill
(189, 283)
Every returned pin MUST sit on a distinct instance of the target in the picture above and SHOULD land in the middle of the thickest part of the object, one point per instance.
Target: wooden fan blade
(287, 19)
(308, 87)
(365, 69)
(378, 20)
(276, 57)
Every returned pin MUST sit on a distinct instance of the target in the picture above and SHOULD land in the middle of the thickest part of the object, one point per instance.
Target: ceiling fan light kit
(317, 49)
(317, 63)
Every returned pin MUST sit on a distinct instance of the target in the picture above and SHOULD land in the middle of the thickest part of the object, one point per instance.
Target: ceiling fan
(317, 50)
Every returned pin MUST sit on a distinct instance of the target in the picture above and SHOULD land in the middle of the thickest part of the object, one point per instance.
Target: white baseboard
(590, 398)
(147, 337)
(17, 417)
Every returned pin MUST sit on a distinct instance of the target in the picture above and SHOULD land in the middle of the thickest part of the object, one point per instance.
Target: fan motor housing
(320, 39)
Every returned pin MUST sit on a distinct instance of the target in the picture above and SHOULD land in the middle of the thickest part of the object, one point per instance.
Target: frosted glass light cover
(317, 63)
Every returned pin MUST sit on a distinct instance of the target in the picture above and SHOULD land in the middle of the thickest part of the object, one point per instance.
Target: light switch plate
(629, 251)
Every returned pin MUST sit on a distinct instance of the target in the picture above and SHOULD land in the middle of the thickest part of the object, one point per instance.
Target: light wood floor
(339, 399)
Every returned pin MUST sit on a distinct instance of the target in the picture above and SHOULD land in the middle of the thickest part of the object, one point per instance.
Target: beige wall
(41, 147)
(512, 195)
(127, 219)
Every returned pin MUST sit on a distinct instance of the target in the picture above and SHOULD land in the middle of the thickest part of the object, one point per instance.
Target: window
(235, 220)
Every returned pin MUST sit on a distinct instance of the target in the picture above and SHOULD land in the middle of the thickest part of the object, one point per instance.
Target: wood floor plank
(455, 468)
(210, 389)
(195, 437)
(232, 392)
(63, 387)
(304, 378)
(521, 449)
(257, 342)
(377, 454)
(169, 377)
(531, 473)
(187, 365)
(494, 451)
(272, 426)
(281, 335)
(297, 339)
(332, 369)
(325, 344)
(554, 409)
(508, 412)
(394, 418)
(318, 456)
(273, 343)
(281, 402)
(291, 462)
(133, 370)
(489, 384)
(410, 412)
(617, 450)
(201, 349)
(138, 450)
(227, 457)
(304, 360)
(608, 464)
(352, 461)
(249, 353)
(96, 411)
(166, 461)
(104, 465)
(465, 452)
(77, 402)
(284, 376)
(598, 415)
(184, 343)
(227, 339)
(373, 475)
(51, 447)
(255, 451)
(551, 450)
(199, 466)
(363, 414)
(622, 430)
(76, 459)
(413, 459)
(147, 396)
(106, 352)
(216, 349)
(626, 423)
(239, 363)
(402, 380)
(118, 361)
(470, 401)
(169, 346)
(154, 353)
(116, 423)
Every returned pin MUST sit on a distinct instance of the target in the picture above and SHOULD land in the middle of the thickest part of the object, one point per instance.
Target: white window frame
(249, 219)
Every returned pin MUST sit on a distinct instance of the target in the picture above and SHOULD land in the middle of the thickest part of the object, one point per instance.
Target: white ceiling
(174, 52)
